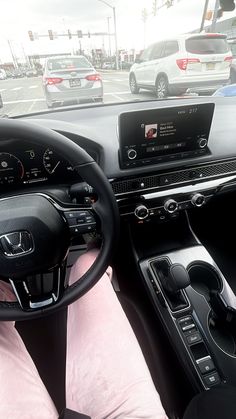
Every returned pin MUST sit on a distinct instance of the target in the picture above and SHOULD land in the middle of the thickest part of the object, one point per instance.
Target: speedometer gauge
(11, 169)
(53, 163)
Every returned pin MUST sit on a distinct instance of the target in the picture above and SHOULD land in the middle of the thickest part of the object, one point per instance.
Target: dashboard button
(141, 212)
(194, 338)
(165, 180)
(171, 206)
(198, 200)
(132, 154)
(212, 379)
(206, 365)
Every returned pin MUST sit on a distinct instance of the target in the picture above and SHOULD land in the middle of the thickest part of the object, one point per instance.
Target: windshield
(56, 54)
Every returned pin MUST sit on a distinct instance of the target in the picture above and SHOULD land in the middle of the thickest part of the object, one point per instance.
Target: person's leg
(106, 374)
(22, 393)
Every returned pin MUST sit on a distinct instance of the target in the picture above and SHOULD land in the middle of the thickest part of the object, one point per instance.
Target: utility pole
(144, 19)
(215, 16)
(204, 15)
(116, 42)
(115, 28)
(12, 54)
(109, 34)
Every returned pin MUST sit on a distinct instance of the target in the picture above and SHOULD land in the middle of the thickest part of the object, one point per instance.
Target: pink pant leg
(106, 375)
(22, 393)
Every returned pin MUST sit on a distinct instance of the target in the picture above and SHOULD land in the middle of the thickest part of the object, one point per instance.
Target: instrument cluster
(22, 164)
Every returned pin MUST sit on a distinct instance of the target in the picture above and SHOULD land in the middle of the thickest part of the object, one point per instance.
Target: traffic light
(31, 35)
(50, 34)
(80, 34)
(69, 34)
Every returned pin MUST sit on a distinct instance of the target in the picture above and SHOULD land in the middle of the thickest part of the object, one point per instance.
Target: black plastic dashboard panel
(193, 174)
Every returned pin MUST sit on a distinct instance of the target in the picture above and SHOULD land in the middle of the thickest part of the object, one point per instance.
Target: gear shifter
(173, 278)
(177, 279)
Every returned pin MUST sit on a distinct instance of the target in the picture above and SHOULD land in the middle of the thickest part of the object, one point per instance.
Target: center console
(198, 310)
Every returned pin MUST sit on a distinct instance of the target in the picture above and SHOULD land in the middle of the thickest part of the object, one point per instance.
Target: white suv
(172, 66)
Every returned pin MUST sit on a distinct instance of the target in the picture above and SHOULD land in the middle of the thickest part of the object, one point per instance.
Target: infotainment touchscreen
(155, 135)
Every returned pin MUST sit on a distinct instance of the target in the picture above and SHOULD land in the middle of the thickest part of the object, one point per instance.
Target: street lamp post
(115, 28)
(109, 35)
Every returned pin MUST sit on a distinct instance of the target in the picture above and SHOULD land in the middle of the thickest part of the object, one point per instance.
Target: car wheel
(133, 85)
(161, 87)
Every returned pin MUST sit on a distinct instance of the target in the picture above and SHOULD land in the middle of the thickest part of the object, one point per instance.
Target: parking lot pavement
(25, 95)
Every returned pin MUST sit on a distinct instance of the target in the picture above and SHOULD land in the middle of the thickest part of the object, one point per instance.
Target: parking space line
(17, 88)
(31, 107)
(118, 97)
(119, 80)
(33, 87)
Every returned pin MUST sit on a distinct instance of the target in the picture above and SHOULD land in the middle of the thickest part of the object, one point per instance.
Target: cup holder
(207, 282)
(204, 279)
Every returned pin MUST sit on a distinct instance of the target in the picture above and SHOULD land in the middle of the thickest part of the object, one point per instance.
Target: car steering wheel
(35, 232)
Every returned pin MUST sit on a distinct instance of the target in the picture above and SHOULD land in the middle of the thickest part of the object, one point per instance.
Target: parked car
(107, 66)
(31, 72)
(3, 75)
(69, 80)
(172, 66)
(17, 74)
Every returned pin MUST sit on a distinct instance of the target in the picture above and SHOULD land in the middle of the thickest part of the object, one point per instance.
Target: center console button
(198, 200)
(194, 338)
(141, 212)
(212, 379)
(206, 365)
(171, 206)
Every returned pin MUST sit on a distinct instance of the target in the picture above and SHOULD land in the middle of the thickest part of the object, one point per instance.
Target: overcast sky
(17, 17)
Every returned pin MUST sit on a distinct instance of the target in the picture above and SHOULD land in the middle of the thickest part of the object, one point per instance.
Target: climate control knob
(141, 212)
(171, 206)
(198, 200)
(202, 142)
(132, 154)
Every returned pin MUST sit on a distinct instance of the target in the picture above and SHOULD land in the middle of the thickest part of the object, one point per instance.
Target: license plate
(210, 66)
(75, 82)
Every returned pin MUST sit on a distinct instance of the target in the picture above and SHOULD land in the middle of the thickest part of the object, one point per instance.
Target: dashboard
(142, 191)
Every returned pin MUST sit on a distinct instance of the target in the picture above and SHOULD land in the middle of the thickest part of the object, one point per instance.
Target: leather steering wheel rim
(105, 207)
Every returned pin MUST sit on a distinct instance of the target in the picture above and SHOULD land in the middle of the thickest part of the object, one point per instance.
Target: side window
(157, 51)
(145, 56)
(171, 48)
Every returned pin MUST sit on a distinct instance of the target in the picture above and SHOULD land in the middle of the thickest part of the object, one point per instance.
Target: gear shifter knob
(177, 279)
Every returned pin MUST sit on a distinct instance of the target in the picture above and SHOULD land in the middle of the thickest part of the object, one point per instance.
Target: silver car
(70, 80)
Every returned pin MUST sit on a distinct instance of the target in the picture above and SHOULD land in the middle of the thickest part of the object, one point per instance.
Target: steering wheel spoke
(40, 290)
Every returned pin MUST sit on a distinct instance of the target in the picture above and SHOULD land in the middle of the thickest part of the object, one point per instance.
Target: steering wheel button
(80, 221)
(69, 215)
(72, 221)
